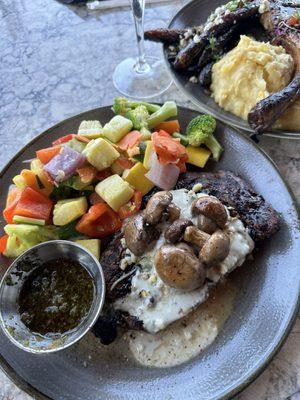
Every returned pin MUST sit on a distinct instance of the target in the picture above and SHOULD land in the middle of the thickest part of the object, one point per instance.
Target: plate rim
(39, 395)
(279, 134)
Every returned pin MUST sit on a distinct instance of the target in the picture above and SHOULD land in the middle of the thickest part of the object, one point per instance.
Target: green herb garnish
(39, 182)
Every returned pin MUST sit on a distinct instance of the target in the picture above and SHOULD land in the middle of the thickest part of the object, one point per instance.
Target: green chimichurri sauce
(56, 297)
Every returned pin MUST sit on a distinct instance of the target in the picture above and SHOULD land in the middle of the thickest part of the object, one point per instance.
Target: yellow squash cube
(100, 154)
(90, 129)
(136, 177)
(115, 191)
(198, 155)
(116, 128)
(92, 245)
(148, 153)
(66, 211)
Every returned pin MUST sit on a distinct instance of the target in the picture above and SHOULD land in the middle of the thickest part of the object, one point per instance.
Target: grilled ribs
(274, 16)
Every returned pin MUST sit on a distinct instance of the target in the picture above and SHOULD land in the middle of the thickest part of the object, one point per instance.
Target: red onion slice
(163, 176)
(64, 165)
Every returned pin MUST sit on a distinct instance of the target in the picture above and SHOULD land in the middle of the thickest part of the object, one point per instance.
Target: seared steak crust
(110, 262)
(259, 216)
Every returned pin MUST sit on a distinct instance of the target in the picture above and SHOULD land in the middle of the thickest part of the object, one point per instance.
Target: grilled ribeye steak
(274, 16)
(259, 216)
(261, 219)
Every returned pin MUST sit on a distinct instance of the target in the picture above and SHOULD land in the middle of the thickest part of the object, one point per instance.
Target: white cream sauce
(159, 305)
(186, 338)
(178, 343)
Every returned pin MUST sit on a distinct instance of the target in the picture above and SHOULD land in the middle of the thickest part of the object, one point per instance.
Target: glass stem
(138, 10)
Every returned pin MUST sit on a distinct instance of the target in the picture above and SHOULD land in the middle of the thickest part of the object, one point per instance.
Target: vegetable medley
(85, 184)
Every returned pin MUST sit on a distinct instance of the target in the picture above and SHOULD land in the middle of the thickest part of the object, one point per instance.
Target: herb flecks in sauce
(56, 297)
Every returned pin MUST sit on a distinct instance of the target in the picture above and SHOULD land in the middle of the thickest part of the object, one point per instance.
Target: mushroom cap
(156, 205)
(206, 224)
(178, 267)
(173, 212)
(211, 208)
(175, 231)
(138, 237)
(215, 249)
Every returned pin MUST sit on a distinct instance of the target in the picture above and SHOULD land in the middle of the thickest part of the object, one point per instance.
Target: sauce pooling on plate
(56, 297)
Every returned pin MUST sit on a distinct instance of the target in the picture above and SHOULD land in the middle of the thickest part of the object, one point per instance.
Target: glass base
(141, 82)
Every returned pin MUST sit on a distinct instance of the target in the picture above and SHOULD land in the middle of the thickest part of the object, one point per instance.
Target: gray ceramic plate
(264, 310)
(193, 14)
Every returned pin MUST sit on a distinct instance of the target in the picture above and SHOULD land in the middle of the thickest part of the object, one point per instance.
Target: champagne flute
(143, 77)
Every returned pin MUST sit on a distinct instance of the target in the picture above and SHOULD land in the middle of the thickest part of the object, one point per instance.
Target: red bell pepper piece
(132, 207)
(124, 162)
(99, 221)
(45, 155)
(87, 174)
(94, 198)
(67, 138)
(11, 204)
(103, 174)
(82, 138)
(63, 139)
(3, 242)
(33, 204)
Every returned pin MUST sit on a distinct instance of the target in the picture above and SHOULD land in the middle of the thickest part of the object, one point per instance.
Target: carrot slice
(169, 126)
(45, 155)
(132, 139)
(168, 149)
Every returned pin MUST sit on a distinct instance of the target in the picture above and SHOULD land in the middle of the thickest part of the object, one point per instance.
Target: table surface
(57, 61)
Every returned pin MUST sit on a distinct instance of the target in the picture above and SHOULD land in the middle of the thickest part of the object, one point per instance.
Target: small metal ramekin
(13, 280)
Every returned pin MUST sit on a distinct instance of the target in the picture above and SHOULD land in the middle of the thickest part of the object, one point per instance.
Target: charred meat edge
(259, 216)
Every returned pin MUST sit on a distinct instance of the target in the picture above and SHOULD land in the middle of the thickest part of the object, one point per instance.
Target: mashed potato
(249, 73)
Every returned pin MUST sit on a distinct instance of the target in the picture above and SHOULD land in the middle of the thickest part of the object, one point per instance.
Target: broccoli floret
(200, 128)
(122, 105)
(183, 138)
(166, 111)
(200, 131)
(139, 117)
(214, 146)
